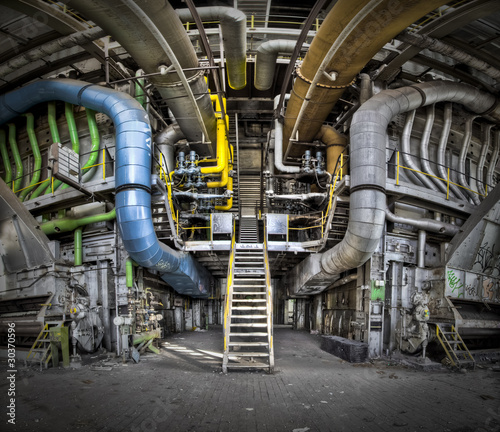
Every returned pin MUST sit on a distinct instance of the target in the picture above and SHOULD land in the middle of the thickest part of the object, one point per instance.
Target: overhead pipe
(278, 144)
(5, 157)
(431, 225)
(265, 61)
(351, 34)
(37, 157)
(68, 224)
(132, 175)
(155, 25)
(76, 39)
(441, 152)
(88, 168)
(54, 132)
(367, 207)
(73, 132)
(426, 42)
(482, 158)
(493, 160)
(165, 143)
(424, 148)
(233, 24)
(18, 176)
(463, 156)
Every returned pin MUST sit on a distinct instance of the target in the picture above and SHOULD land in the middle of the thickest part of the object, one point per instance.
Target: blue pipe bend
(132, 174)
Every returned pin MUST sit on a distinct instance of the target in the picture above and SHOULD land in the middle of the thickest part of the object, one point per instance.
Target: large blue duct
(132, 174)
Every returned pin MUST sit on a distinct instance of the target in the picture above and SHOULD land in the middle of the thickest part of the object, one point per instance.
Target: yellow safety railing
(229, 290)
(269, 301)
(252, 21)
(446, 180)
(103, 163)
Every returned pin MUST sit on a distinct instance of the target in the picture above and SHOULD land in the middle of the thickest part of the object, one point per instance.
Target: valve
(306, 162)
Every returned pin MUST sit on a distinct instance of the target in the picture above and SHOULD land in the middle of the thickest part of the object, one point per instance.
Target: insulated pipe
(78, 246)
(430, 225)
(67, 224)
(18, 176)
(441, 153)
(5, 157)
(335, 145)
(123, 20)
(422, 236)
(426, 42)
(48, 48)
(367, 209)
(139, 89)
(54, 133)
(88, 173)
(482, 158)
(424, 149)
(196, 195)
(73, 132)
(493, 160)
(357, 39)
(278, 144)
(129, 273)
(233, 23)
(165, 143)
(463, 156)
(265, 61)
(222, 157)
(229, 203)
(224, 178)
(132, 174)
(30, 129)
(407, 156)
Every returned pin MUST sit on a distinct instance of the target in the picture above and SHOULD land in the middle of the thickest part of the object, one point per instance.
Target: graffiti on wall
(487, 261)
(456, 285)
(473, 286)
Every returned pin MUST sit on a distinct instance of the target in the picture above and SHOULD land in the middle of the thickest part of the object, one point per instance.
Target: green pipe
(54, 132)
(129, 273)
(78, 246)
(61, 213)
(94, 136)
(73, 132)
(5, 157)
(139, 89)
(67, 224)
(30, 129)
(46, 217)
(18, 178)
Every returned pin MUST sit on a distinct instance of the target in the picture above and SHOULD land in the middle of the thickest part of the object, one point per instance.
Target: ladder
(40, 352)
(454, 347)
(248, 338)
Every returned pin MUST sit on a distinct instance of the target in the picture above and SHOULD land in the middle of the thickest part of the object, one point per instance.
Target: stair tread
(249, 292)
(248, 354)
(248, 343)
(248, 324)
(235, 300)
(249, 316)
(253, 334)
(252, 365)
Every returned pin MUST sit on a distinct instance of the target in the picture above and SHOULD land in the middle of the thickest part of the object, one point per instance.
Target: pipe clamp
(303, 78)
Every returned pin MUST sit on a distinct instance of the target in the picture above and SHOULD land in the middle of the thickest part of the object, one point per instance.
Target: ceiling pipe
(153, 35)
(233, 23)
(493, 160)
(482, 158)
(351, 34)
(265, 61)
(430, 225)
(132, 175)
(367, 208)
(462, 158)
(165, 143)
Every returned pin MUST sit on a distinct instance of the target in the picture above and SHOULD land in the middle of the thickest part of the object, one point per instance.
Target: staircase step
(248, 324)
(248, 365)
(248, 344)
(249, 293)
(249, 307)
(235, 300)
(249, 316)
(248, 354)
(254, 334)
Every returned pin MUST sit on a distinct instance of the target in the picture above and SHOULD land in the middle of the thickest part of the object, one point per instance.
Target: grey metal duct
(133, 33)
(493, 160)
(424, 148)
(265, 61)
(78, 38)
(233, 24)
(482, 158)
(431, 225)
(462, 158)
(368, 177)
(165, 143)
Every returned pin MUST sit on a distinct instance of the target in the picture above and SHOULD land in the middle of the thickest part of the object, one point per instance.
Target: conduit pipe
(54, 133)
(482, 158)
(73, 132)
(463, 156)
(76, 39)
(78, 246)
(165, 143)
(367, 209)
(95, 142)
(335, 144)
(351, 34)
(18, 176)
(233, 23)
(493, 160)
(229, 203)
(155, 25)
(424, 148)
(37, 165)
(426, 42)
(132, 174)
(67, 224)
(265, 61)
(422, 238)
(425, 224)
(278, 144)
(5, 157)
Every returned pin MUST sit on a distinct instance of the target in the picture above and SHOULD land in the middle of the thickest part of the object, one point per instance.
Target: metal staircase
(454, 347)
(40, 353)
(249, 229)
(248, 338)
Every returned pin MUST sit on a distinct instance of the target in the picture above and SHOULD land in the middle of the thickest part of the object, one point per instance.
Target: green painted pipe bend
(54, 132)
(129, 272)
(95, 140)
(18, 178)
(73, 131)
(30, 129)
(139, 89)
(68, 224)
(5, 157)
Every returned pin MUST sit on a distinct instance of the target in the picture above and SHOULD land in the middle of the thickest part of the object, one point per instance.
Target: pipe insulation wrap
(132, 174)
(233, 24)
(265, 61)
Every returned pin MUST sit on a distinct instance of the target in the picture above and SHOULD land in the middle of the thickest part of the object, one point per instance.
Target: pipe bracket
(303, 78)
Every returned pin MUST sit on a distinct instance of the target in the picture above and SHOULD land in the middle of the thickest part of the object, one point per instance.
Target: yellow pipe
(377, 28)
(221, 151)
(335, 144)
(229, 204)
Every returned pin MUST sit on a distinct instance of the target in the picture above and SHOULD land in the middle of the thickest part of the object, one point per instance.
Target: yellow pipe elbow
(222, 159)
(229, 204)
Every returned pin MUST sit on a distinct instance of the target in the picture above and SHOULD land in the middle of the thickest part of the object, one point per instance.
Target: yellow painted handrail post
(52, 186)
(252, 20)
(317, 24)
(104, 164)
(177, 223)
(287, 227)
(397, 168)
(448, 185)
(341, 165)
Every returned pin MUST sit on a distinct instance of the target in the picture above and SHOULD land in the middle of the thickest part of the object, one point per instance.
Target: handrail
(229, 292)
(446, 349)
(461, 345)
(269, 301)
(447, 180)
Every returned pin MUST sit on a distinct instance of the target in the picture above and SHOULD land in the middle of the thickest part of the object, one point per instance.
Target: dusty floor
(183, 390)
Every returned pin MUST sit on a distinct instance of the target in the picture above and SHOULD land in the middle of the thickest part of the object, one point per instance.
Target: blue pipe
(132, 174)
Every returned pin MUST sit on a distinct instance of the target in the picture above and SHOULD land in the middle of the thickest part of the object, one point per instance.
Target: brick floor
(183, 390)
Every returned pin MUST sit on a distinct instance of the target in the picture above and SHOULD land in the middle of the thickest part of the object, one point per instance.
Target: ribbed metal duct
(233, 24)
(356, 45)
(132, 174)
(265, 61)
(368, 173)
(135, 36)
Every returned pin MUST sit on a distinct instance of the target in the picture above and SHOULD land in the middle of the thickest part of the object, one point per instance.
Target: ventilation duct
(132, 175)
(122, 23)
(265, 61)
(367, 209)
